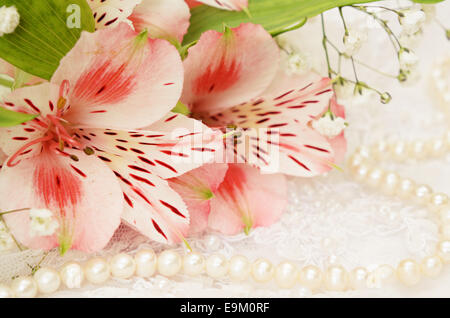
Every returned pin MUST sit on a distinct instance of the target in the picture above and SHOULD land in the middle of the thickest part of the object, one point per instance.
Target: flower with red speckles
(86, 158)
(241, 86)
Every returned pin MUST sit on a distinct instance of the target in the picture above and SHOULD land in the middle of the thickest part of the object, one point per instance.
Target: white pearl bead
(48, 280)
(375, 176)
(417, 149)
(24, 287)
(408, 272)
(6, 292)
(240, 268)
(361, 172)
(311, 277)
(193, 264)
(382, 276)
(336, 278)
(355, 161)
(445, 231)
(380, 149)
(122, 266)
(399, 150)
(437, 147)
(146, 262)
(443, 249)
(169, 263)
(216, 266)
(444, 215)
(438, 201)
(431, 266)
(390, 183)
(364, 152)
(72, 275)
(358, 278)
(262, 270)
(406, 188)
(97, 271)
(422, 194)
(286, 275)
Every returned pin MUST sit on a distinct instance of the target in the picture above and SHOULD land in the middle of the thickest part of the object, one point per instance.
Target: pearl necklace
(146, 263)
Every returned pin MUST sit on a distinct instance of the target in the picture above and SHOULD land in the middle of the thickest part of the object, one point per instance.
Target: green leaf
(48, 29)
(9, 118)
(275, 16)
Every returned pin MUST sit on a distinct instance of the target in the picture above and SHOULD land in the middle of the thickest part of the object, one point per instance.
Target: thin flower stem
(385, 8)
(35, 268)
(347, 33)
(8, 230)
(324, 43)
(14, 211)
(394, 40)
(374, 69)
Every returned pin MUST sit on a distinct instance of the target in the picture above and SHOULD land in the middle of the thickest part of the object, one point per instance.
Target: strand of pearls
(441, 81)
(146, 263)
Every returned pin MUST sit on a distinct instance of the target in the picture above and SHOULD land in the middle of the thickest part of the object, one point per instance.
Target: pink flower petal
(197, 188)
(120, 80)
(247, 199)
(171, 147)
(235, 5)
(151, 206)
(276, 134)
(223, 70)
(167, 19)
(74, 191)
(110, 13)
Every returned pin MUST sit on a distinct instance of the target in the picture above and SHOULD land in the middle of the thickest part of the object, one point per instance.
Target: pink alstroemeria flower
(166, 19)
(232, 5)
(241, 86)
(85, 157)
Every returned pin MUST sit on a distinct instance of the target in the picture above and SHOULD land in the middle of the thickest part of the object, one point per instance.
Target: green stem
(384, 25)
(324, 43)
(8, 230)
(35, 268)
(14, 211)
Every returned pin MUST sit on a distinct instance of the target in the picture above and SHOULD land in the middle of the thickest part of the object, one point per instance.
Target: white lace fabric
(330, 219)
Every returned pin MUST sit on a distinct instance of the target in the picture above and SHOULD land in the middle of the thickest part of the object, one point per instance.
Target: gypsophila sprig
(9, 20)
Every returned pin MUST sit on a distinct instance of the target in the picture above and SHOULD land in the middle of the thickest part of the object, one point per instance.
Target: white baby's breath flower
(6, 240)
(9, 19)
(353, 41)
(328, 126)
(42, 223)
(412, 20)
(408, 60)
(344, 89)
(297, 63)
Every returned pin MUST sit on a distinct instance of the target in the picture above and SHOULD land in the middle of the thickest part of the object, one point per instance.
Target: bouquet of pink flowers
(170, 116)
